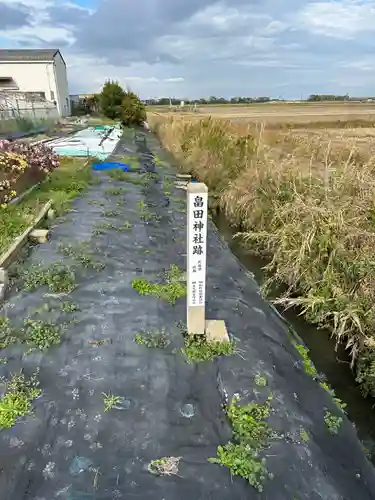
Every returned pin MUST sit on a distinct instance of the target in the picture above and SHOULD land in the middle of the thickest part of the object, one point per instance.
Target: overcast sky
(198, 48)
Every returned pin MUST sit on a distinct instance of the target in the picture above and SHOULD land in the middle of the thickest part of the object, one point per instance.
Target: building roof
(15, 55)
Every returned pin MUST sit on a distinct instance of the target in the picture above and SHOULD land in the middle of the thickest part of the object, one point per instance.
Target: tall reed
(309, 207)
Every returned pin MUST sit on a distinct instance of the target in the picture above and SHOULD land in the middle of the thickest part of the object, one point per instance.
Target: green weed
(332, 422)
(17, 398)
(165, 466)
(110, 401)
(197, 349)
(95, 202)
(337, 400)
(7, 333)
(69, 307)
(82, 255)
(110, 213)
(132, 178)
(253, 435)
(170, 291)
(248, 422)
(72, 178)
(58, 277)
(152, 339)
(41, 334)
(114, 191)
(105, 225)
(260, 380)
(304, 436)
(125, 227)
(307, 363)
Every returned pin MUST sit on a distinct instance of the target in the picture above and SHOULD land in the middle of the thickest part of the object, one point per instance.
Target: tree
(111, 98)
(133, 111)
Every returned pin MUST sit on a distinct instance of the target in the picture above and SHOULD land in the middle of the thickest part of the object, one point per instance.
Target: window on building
(52, 95)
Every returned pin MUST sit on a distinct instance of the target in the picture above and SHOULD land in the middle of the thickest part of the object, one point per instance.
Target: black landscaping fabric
(70, 449)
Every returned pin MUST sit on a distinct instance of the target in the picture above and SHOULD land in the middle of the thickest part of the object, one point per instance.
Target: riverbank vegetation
(305, 201)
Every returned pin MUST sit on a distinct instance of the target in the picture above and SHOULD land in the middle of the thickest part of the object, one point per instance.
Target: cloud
(344, 19)
(193, 48)
(12, 17)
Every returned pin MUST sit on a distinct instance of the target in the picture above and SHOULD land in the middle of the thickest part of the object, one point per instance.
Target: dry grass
(307, 202)
(281, 114)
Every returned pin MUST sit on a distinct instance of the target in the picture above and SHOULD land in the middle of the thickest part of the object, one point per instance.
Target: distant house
(36, 72)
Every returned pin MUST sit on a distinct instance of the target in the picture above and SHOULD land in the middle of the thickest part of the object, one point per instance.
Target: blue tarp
(109, 165)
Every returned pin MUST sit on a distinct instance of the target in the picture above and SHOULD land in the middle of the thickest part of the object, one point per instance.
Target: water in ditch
(333, 364)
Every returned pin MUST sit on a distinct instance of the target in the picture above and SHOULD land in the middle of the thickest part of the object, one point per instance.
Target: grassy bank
(66, 182)
(307, 205)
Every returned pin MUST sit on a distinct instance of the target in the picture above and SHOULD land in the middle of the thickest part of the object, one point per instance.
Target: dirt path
(71, 449)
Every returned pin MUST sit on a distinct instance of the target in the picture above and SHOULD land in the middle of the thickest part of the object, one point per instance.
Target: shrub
(110, 99)
(133, 111)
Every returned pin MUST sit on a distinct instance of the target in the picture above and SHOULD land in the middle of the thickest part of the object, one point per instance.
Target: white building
(34, 71)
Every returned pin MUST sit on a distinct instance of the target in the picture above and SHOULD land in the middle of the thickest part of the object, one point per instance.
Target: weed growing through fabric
(174, 274)
(136, 179)
(332, 422)
(152, 339)
(307, 363)
(96, 202)
(337, 400)
(97, 229)
(81, 255)
(312, 371)
(58, 277)
(168, 183)
(110, 401)
(114, 191)
(260, 380)
(171, 290)
(3, 361)
(165, 466)
(197, 349)
(252, 435)
(69, 307)
(148, 216)
(7, 333)
(17, 398)
(40, 333)
(303, 434)
(109, 213)
(106, 225)
(125, 227)
(145, 213)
